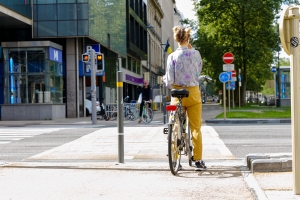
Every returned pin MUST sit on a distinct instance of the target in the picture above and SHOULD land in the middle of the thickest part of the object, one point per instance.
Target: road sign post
(228, 58)
(93, 86)
(224, 77)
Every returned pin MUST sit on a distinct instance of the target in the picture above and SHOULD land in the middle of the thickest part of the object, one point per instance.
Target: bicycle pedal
(192, 158)
(166, 131)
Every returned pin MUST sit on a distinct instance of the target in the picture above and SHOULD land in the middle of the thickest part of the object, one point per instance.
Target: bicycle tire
(106, 117)
(114, 116)
(173, 151)
(147, 116)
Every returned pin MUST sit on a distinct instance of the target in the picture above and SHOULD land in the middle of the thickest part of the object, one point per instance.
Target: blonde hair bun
(181, 34)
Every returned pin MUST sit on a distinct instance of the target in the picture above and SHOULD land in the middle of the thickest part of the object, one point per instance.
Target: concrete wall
(72, 79)
(32, 112)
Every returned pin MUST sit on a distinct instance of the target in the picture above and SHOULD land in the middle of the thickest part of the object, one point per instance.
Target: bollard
(120, 117)
(164, 108)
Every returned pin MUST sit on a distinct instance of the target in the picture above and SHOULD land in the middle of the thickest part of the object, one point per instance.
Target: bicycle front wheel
(147, 115)
(173, 150)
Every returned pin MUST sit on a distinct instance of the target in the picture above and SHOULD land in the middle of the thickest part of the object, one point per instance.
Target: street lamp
(149, 62)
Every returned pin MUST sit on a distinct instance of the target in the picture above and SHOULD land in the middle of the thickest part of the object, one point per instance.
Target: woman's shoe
(140, 120)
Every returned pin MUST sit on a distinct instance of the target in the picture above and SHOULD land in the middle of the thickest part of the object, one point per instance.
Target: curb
(269, 162)
(247, 121)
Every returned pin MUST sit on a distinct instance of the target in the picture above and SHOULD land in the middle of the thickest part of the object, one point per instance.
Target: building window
(134, 65)
(129, 63)
(124, 63)
(138, 67)
(31, 77)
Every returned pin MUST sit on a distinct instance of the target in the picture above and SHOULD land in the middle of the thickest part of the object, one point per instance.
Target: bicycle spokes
(174, 144)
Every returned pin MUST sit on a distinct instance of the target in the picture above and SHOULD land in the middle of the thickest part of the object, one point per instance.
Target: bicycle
(128, 113)
(179, 134)
(147, 113)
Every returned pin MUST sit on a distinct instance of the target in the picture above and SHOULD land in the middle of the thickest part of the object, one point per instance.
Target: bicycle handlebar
(207, 79)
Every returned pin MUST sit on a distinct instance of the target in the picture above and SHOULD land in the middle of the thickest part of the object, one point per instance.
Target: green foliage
(245, 28)
(267, 91)
(284, 61)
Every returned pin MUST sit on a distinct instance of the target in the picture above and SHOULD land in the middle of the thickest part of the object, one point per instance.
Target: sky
(186, 7)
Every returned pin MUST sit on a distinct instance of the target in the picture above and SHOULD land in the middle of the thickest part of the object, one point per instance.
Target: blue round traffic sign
(224, 77)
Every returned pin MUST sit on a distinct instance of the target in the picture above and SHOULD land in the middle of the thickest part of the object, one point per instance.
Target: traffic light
(99, 61)
(85, 57)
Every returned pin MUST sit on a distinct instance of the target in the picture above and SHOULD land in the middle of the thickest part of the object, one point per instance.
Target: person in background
(146, 96)
(183, 71)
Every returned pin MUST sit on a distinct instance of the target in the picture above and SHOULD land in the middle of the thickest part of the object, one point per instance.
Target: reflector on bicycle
(171, 107)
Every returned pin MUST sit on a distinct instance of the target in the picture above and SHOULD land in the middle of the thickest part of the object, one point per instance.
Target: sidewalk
(145, 149)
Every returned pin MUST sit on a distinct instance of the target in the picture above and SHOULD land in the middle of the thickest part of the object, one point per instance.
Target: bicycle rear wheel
(147, 115)
(173, 150)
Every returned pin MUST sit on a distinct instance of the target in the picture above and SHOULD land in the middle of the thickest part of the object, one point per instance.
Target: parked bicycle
(130, 111)
(147, 113)
(179, 134)
(103, 114)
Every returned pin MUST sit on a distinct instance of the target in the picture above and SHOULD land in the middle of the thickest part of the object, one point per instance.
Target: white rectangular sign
(228, 67)
(233, 79)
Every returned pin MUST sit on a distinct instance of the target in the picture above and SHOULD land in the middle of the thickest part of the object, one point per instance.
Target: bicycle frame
(147, 113)
(178, 131)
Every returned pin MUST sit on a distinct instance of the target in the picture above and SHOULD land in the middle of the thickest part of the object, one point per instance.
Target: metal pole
(164, 109)
(93, 87)
(228, 96)
(149, 58)
(160, 98)
(232, 98)
(295, 94)
(120, 116)
(275, 89)
(278, 81)
(224, 100)
(239, 95)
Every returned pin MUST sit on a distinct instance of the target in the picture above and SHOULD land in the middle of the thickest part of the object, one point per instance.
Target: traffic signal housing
(85, 58)
(99, 61)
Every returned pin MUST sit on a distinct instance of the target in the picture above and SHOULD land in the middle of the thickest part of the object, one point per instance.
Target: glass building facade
(30, 76)
(21, 6)
(104, 22)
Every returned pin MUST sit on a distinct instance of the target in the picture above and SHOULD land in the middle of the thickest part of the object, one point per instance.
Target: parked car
(88, 106)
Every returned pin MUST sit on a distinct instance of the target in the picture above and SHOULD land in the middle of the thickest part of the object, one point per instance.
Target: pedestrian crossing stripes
(8, 135)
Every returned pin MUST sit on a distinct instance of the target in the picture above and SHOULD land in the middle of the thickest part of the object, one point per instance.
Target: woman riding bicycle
(183, 71)
(146, 96)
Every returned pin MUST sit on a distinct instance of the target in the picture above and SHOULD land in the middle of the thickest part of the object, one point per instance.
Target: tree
(244, 27)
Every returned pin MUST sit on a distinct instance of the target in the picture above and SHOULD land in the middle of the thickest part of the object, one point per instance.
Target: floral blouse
(184, 67)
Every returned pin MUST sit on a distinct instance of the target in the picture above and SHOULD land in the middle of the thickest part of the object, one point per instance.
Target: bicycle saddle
(179, 93)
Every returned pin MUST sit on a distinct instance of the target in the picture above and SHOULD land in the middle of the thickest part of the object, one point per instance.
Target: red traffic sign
(233, 72)
(228, 58)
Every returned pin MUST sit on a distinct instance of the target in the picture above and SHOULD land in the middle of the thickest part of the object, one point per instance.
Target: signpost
(228, 58)
(94, 63)
(224, 77)
(233, 73)
(228, 67)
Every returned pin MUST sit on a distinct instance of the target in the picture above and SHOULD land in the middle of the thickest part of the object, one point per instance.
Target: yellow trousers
(193, 106)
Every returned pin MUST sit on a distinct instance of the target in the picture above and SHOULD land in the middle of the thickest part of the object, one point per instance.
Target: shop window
(31, 78)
